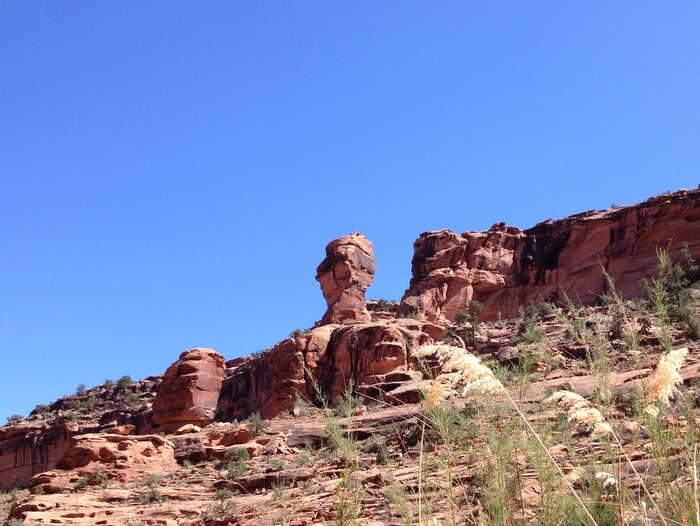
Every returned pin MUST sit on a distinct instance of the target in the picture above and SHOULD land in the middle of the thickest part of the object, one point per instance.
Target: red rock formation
(269, 383)
(375, 355)
(190, 389)
(505, 267)
(35, 444)
(344, 275)
(365, 353)
(30, 447)
(127, 457)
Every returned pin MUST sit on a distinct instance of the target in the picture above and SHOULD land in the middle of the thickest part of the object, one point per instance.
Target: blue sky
(170, 172)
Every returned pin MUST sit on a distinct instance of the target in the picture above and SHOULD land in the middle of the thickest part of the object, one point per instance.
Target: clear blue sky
(170, 172)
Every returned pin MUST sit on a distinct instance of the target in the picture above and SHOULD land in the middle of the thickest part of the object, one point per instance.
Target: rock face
(505, 267)
(190, 389)
(128, 456)
(344, 275)
(374, 355)
(35, 444)
(31, 448)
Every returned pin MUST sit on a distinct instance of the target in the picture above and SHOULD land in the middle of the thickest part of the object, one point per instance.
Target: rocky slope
(363, 462)
(171, 450)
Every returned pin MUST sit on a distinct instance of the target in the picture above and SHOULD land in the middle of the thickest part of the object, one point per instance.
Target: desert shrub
(152, 482)
(383, 305)
(235, 462)
(124, 382)
(347, 401)
(531, 335)
(41, 409)
(14, 418)
(669, 293)
(224, 508)
(131, 399)
(261, 352)
(100, 479)
(466, 323)
(256, 424)
(81, 482)
(87, 405)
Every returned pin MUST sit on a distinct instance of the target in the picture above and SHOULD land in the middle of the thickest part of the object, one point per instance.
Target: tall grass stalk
(536, 436)
(695, 483)
(461, 369)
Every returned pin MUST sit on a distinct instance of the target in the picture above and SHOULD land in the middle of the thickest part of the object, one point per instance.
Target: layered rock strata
(334, 355)
(505, 267)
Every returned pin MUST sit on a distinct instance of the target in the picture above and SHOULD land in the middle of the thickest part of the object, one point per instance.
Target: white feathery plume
(662, 384)
(461, 373)
(581, 412)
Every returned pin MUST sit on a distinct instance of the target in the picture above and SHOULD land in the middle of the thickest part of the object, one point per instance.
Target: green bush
(41, 409)
(235, 462)
(669, 293)
(383, 305)
(124, 382)
(531, 335)
(256, 424)
(131, 399)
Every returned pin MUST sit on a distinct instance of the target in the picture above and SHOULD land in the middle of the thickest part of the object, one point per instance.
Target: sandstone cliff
(37, 443)
(505, 267)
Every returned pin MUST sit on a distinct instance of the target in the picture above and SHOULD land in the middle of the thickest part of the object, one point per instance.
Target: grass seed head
(581, 412)
(662, 384)
(461, 373)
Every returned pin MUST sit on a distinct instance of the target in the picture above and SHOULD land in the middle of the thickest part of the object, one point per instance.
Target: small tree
(124, 382)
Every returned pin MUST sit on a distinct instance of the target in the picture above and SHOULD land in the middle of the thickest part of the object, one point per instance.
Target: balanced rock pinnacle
(345, 275)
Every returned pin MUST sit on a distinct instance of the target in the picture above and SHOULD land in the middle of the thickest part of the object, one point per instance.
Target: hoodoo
(344, 275)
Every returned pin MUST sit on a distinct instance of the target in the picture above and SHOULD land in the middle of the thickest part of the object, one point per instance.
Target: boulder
(137, 453)
(190, 390)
